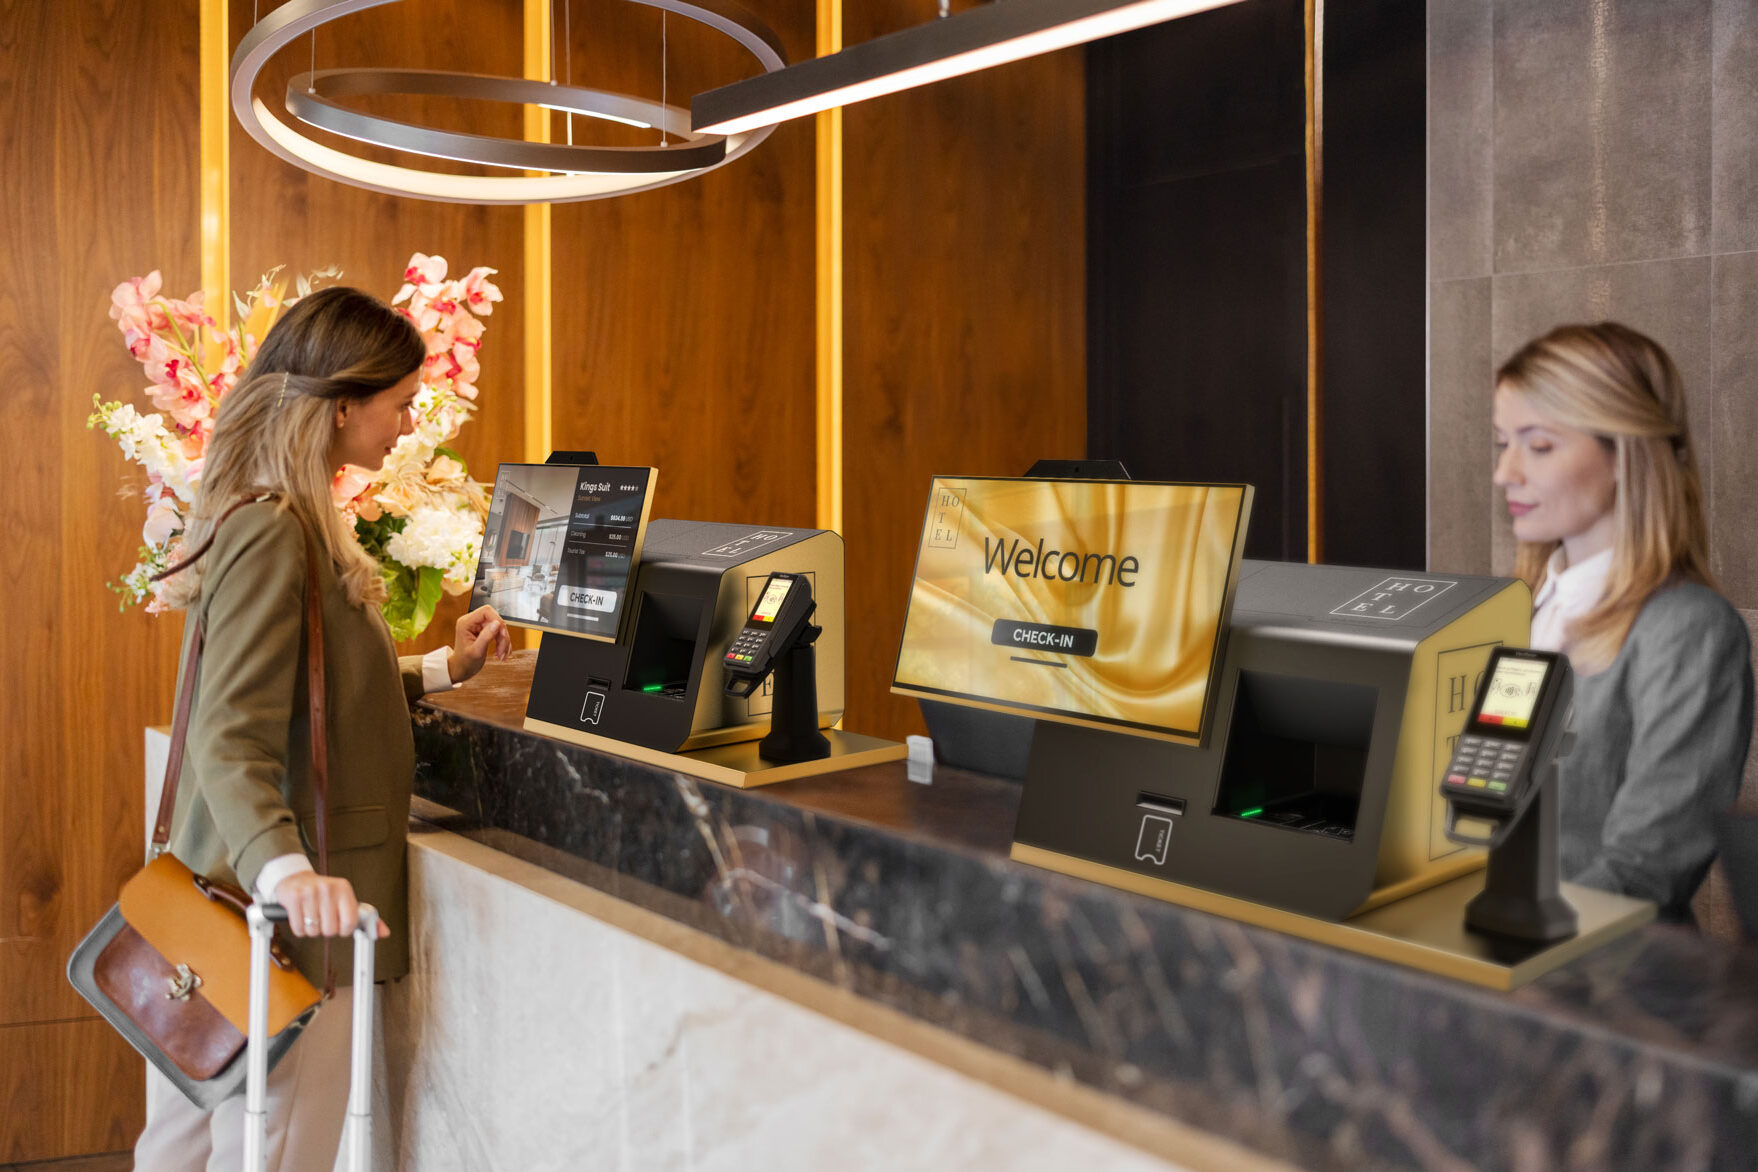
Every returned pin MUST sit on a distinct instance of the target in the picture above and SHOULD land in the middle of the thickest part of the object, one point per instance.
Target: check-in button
(1043, 637)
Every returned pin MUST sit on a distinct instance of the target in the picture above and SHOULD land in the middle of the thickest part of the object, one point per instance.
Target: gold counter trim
(736, 764)
(1424, 931)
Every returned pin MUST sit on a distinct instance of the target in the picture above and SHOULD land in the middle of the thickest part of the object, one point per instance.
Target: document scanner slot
(1296, 755)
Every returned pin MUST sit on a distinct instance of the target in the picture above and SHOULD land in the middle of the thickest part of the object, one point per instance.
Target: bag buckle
(183, 984)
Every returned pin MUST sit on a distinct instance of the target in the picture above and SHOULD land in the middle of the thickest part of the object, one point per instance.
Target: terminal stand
(1522, 897)
(793, 723)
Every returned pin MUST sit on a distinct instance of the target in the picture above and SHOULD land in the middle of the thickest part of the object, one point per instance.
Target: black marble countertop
(1643, 1055)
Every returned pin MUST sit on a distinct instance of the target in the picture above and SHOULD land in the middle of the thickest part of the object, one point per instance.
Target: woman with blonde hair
(332, 384)
(1595, 458)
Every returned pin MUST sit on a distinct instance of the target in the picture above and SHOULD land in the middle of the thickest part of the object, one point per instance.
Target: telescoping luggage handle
(357, 1132)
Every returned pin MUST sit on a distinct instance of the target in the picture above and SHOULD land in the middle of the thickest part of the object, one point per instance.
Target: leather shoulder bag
(168, 965)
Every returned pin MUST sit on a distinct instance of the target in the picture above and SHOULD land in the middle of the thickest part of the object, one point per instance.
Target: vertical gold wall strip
(1315, 317)
(539, 434)
(829, 280)
(216, 199)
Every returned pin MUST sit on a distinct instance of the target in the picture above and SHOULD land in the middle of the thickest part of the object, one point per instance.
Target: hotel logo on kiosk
(1101, 603)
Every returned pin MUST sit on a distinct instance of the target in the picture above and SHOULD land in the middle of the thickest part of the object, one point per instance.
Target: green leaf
(411, 598)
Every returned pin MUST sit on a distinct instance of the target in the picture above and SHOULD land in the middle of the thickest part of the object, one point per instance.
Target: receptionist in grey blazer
(1596, 462)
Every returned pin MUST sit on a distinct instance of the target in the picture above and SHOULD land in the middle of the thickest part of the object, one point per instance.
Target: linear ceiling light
(575, 172)
(978, 38)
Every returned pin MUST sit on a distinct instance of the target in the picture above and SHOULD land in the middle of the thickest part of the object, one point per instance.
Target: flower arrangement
(420, 515)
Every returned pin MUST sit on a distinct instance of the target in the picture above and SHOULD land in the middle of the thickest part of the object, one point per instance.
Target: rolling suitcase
(357, 1130)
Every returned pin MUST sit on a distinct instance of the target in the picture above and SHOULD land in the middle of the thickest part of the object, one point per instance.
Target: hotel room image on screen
(561, 544)
(1091, 602)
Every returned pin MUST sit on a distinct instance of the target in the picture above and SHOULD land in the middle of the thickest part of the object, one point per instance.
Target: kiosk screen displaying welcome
(561, 544)
(1092, 602)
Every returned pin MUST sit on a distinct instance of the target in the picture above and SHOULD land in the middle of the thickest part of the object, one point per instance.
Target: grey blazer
(1661, 738)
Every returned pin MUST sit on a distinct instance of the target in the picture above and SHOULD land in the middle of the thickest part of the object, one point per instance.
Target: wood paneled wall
(683, 328)
(683, 336)
(282, 215)
(965, 310)
(98, 143)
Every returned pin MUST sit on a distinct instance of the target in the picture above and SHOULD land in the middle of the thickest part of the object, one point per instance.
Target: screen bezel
(627, 607)
(1195, 737)
(1479, 728)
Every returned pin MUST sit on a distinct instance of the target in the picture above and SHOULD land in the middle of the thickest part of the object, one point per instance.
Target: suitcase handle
(357, 1134)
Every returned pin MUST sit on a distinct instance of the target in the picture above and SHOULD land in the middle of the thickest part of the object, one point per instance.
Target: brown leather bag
(168, 966)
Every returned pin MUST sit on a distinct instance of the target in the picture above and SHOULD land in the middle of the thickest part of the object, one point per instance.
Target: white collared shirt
(1568, 593)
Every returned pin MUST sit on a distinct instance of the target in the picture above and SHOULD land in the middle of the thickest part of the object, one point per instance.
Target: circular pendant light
(575, 172)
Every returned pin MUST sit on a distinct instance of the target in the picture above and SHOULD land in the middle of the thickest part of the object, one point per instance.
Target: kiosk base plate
(737, 764)
(1423, 931)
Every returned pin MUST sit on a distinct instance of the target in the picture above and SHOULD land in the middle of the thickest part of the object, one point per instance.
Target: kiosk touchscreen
(1097, 603)
(561, 546)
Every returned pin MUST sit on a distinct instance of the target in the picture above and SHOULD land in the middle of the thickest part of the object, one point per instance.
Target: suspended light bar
(571, 172)
(978, 38)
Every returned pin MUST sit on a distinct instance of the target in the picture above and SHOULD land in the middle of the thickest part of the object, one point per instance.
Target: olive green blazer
(246, 794)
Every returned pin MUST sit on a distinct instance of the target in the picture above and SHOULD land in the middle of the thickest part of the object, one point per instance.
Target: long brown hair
(1622, 387)
(275, 427)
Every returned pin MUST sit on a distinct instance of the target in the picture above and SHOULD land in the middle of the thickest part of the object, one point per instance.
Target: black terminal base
(1520, 895)
(793, 723)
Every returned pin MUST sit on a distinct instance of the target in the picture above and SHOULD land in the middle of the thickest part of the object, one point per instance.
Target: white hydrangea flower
(446, 539)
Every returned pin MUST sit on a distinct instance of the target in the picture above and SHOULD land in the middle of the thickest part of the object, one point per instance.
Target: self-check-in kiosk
(655, 689)
(1300, 784)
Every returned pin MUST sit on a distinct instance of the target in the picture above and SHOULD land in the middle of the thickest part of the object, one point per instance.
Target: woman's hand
(321, 905)
(479, 632)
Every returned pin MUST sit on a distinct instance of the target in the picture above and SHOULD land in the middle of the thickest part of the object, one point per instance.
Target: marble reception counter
(893, 908)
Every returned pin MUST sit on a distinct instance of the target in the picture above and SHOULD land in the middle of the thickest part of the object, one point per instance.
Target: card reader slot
(1160, 803)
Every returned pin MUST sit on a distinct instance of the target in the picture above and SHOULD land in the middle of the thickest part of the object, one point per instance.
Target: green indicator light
(1251, 813)
(653, 687)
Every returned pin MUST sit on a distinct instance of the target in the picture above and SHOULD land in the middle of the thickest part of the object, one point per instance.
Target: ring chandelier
(575, 172)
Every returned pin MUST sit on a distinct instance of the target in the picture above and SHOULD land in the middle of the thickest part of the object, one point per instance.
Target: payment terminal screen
(1092, 602)
(1513, 693)
(770, 603)
(561, 545)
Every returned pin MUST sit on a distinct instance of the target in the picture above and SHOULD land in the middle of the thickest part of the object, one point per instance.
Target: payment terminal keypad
(1486, 767)
(744, 648)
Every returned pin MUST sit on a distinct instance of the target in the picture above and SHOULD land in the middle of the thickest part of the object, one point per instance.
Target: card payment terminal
(1515, 728)
(1500, 793)
(775, 624)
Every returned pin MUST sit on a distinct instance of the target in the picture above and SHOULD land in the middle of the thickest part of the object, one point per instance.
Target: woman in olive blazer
(331, 385)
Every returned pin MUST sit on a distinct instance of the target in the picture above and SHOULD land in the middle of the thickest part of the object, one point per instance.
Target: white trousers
(307, 1104)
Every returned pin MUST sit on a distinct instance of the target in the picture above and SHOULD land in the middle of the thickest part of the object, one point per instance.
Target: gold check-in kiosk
(1301, 791)
(639, 618)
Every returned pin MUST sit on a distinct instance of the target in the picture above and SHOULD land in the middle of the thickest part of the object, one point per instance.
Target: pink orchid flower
(132, 304)
(426, 271)
(480, 293)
